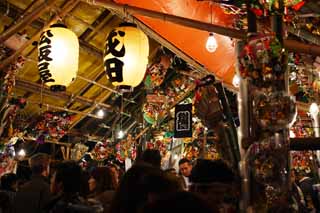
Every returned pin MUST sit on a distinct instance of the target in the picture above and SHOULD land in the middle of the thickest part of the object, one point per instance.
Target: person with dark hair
(305, 182)
(152, 157)
(141, 184)
(7, 192)
(34, 195)
(185, 168)
(102, 186)
(179, 202)
(116, 173)
(66, 184)
(217, 183)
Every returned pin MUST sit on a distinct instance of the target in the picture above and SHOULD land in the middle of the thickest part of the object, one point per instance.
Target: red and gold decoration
(102, 151)
(50, 125)
(262, 61)
(126, 149)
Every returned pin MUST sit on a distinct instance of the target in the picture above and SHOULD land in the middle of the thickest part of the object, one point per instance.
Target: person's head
(152, 156)
(67, 178)
(39, 164)
(185, 167)
(101, 179)
(216, 182)
(9, 182)
(115, 171)
(140, 184)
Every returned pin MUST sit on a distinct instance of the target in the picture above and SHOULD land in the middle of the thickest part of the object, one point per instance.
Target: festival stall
(211, 79)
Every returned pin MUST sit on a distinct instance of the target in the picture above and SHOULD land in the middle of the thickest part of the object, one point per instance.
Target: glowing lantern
(58, 56)
(126, 55)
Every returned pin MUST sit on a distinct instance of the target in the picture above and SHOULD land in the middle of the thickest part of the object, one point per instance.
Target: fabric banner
(183, 121)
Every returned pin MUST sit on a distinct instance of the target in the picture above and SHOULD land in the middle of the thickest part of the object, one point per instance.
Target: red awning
(192, 41)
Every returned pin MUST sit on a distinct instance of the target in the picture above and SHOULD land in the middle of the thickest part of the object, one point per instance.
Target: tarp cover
(192, 41)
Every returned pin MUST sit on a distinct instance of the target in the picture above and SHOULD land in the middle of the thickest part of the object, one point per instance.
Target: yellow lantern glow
(126, 55)
(58, 57)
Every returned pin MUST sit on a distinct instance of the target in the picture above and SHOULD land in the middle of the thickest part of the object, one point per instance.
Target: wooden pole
(64, 109)
(65, 10)
(26, 20)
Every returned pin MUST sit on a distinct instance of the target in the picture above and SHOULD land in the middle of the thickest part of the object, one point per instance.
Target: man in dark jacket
(34, 195)
(310, 195)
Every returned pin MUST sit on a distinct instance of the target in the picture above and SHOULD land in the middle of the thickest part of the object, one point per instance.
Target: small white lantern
(126, 56)
(58, 57)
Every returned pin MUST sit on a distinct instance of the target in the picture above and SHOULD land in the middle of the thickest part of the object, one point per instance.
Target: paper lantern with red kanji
(126, 55)
(58, 56)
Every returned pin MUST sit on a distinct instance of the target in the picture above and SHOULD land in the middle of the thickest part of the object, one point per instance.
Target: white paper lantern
(58, 57)
(126, 55)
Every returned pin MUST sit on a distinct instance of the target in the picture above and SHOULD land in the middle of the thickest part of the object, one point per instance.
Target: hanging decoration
(78, 151)
(7, 159)
(8, 113)
(303, 162)
(267, 165)
(261, 60)
(58, 55)
(157, 70)
(50, 125)
(126, 149)
(206, 102)
(126, 55)
(102, 151)
(191, 151)
(9, 79)
(273, 111)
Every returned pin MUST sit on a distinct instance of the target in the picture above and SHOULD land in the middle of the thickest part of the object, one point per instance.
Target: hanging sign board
(183, 121)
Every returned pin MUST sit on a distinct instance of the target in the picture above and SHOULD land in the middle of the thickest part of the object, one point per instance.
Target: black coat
(33, 196)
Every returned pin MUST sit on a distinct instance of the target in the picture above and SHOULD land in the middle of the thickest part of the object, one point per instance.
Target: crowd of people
(203, 186)
(62, 187)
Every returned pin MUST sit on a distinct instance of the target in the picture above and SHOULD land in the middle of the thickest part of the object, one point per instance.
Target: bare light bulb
(314, 109)
(22, 153)
(236, 81)
(120, 134)
(100, 113)
(211, 44)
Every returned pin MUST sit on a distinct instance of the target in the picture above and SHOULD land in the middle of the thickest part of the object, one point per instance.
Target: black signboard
(183, 121)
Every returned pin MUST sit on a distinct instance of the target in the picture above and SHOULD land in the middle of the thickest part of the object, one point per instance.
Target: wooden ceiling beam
(99, 102)
(26, 20)
(65, 10)
(36, 88)
(39, 24)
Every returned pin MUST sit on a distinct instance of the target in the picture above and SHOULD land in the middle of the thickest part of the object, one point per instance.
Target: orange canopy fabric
(192, 41)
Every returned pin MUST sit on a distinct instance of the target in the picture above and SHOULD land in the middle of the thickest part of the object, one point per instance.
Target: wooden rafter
(26, 20)
(36, 88)
(65, 10)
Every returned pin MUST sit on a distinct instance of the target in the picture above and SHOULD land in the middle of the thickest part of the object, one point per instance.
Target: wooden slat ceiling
(91, 25)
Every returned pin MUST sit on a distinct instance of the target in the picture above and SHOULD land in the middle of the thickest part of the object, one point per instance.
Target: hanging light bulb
(314, 109)
(22, 153)
(100, 113)
(236, 81)
(120, 134)
(211, 44)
